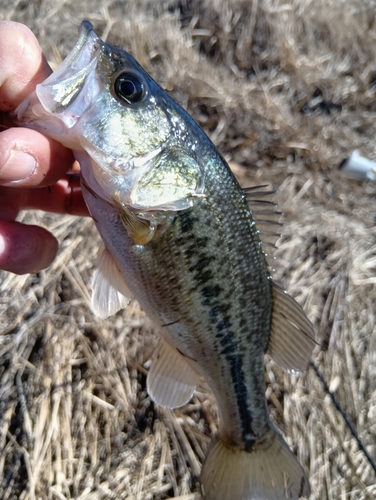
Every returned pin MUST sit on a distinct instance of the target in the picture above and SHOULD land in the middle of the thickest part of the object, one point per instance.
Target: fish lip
(85, 28)
(86, 37)
(85, 31)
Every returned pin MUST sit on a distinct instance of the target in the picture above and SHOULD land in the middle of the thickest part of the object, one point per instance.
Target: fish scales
(179, 236)
(220, 294)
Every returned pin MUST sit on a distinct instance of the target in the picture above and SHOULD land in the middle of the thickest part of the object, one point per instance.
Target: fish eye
(129, 88)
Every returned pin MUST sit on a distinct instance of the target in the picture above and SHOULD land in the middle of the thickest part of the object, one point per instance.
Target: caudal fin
(269, 472)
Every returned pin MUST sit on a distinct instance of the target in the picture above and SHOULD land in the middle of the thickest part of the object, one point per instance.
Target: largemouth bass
(179, 236)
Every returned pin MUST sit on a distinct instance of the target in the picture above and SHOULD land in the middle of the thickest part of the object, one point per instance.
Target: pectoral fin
(292, 336)
(171, 379)
(140, 230)
(110, 292)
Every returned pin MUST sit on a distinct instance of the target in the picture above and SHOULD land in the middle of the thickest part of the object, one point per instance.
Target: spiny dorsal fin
(110, 292)
(266, 215)
(292, 337)
(171, 379)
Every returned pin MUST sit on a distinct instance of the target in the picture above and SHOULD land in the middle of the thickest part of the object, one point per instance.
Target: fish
(179, 235)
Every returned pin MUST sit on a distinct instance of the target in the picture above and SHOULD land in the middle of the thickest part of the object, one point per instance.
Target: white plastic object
(359, 168)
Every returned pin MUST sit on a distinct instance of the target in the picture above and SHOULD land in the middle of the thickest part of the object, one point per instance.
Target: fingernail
(3, 245)
(18, 166)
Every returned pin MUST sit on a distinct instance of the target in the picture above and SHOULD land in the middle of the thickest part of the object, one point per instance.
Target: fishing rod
(346, 418)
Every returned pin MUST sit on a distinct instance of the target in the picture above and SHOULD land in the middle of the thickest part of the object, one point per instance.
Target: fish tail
(270, 471)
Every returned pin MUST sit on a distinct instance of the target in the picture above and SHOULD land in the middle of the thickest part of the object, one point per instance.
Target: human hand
(32, 166)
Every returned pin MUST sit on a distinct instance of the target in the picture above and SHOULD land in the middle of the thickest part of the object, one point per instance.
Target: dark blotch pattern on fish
(218, 313)
(219, 289)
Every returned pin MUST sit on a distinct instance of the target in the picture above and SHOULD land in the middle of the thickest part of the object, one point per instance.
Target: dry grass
(286, 89)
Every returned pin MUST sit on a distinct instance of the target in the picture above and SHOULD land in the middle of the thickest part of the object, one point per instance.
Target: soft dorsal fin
(171, 379)
(292, 337)
(110, 292)
(266, 216)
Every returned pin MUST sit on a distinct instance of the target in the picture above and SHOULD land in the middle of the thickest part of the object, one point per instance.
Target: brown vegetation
(286, 89)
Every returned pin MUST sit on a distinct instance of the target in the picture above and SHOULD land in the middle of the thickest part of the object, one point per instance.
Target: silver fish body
(179, 236)
(195, 282)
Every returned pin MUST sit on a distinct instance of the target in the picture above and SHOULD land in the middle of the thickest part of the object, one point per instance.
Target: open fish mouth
(73, 85)
(70, 90)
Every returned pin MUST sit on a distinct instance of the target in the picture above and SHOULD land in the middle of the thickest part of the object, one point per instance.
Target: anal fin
(171, 379)
(292, 337)
(110, 292)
